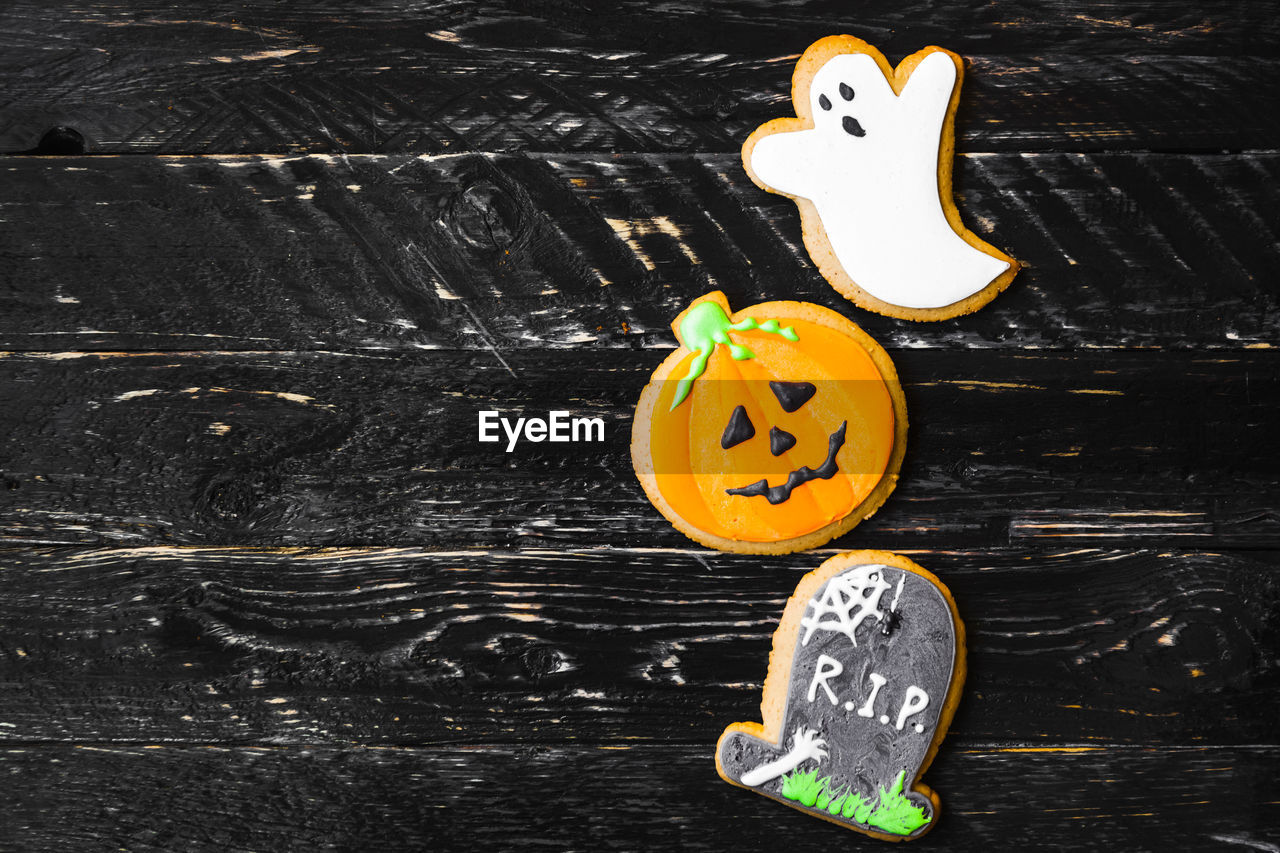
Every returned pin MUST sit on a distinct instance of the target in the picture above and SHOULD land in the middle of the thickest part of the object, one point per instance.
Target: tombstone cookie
(771, 429)
(866, 670)
(868, 162)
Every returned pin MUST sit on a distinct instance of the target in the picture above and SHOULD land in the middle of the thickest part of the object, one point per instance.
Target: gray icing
(880, 639)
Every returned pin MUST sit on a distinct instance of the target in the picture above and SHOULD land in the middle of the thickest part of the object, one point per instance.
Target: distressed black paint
(387, 646)
(377, 449)
(493, 797)
(473, 687)
(488, 76)
(588, 251)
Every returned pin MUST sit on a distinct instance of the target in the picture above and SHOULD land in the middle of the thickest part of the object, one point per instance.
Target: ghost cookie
(865, 674)
(868, 162)
(771, 429)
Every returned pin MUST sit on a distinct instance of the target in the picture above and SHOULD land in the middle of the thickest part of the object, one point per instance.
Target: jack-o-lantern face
(771, 430)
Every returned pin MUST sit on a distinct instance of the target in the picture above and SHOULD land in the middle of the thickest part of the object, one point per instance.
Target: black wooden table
(262, 590)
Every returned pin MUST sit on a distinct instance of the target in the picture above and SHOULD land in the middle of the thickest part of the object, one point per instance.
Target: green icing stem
(706, 325)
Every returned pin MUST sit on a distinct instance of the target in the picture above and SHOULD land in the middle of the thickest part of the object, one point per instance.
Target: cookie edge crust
(773, 702)
(888, 480)
(812, 230)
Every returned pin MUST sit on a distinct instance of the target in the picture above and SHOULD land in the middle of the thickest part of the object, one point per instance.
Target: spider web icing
(847, 600)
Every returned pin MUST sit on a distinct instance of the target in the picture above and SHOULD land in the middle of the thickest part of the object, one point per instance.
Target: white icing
(877, 681)
(847, 601)
(915, 701)
(877, 194)
(827, 669)
(805, 746)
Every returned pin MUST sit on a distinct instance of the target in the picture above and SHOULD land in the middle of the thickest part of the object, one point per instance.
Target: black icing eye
(780, 441)
(846, 92)
(739, 429)
(852, 127)
(792, 395)
(824, 102)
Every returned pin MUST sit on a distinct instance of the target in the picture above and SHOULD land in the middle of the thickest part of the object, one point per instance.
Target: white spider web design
(846, 602)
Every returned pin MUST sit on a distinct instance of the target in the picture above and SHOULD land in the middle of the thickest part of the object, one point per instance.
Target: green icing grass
(803, 787)
(892, 812)
(896, 813)
(856, 808)
(824, 797)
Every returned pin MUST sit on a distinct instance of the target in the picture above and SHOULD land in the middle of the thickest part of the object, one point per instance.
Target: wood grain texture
(518, 252)
(512, 651)
(399, 30)
(614, 797)
(409, 646)
(206, 87)
(327, 448)
(344, 77)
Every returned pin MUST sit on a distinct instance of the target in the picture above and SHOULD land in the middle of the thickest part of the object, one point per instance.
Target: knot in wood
(235, 500)
(486, 216)
(60, 142)
(539, 661)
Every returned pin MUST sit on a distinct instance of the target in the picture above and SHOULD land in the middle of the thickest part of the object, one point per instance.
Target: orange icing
(692, 470)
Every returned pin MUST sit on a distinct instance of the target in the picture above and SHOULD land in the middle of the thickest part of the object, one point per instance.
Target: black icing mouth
(780, 494)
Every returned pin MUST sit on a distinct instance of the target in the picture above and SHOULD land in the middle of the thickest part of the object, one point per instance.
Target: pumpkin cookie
(772, 429)
(868, 162)
(867, 667)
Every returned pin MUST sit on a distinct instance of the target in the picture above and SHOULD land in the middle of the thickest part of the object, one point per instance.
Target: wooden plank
(613, 797)
(337, 30)
(254, 93)
(324, 448)
(513, 252)
(411, 646)
(347, 78)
